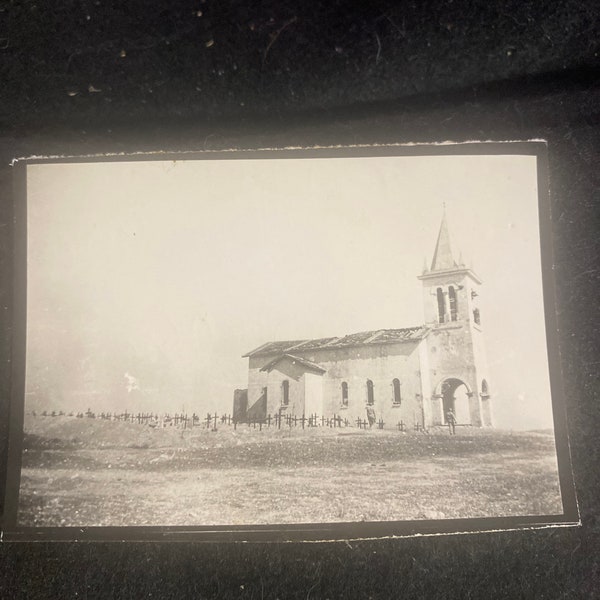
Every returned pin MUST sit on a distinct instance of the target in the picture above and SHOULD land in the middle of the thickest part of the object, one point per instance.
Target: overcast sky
(147, 281)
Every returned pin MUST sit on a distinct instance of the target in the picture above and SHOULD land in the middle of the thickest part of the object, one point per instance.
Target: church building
(412, 375)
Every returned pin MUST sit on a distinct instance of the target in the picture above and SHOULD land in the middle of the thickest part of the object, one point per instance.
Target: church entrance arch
(455, 395)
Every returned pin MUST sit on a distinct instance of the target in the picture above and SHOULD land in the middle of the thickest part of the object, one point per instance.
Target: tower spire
(442, 257)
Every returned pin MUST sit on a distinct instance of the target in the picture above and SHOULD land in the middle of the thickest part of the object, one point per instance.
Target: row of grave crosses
(211, 421)
(278, 420)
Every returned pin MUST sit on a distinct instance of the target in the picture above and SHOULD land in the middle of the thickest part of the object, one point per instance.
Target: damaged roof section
(295, 359)
(364, 338)
(272, 347)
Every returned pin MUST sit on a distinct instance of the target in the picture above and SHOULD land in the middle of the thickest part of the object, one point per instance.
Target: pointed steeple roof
(443, 262)
(442, 257)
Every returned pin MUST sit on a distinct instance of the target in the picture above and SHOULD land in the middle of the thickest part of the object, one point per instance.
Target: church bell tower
(455, 344)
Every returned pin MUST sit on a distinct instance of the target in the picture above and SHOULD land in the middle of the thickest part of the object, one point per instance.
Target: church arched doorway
(455, 395)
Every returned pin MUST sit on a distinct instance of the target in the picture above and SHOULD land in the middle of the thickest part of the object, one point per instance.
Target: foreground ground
(84, 472)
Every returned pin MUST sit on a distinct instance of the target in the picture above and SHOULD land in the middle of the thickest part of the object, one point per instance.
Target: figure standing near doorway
(451, 421)
(371, 415)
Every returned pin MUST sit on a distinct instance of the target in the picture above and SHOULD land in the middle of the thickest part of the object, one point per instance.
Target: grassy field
(86, 472)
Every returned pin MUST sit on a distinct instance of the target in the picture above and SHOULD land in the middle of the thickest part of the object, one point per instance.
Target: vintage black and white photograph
(240, 339)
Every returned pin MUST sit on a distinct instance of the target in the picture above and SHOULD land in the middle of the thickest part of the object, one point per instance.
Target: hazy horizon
(148, 281)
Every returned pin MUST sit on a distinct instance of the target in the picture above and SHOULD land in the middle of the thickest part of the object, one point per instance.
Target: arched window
(285, 392)
(397, 395)
(344, 393)
(370, 394)
(484, 388)
(453, 303)
(441, 305)
(476, 316)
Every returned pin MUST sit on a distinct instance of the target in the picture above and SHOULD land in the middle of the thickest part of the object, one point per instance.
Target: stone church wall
(355, 365)
(273, 381)
(381, 364)
(451, 356)
(257, 379)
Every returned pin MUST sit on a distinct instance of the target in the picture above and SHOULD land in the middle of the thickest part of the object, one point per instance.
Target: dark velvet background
(85, 76)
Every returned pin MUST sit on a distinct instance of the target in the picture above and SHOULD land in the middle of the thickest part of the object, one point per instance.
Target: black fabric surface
(89, 76)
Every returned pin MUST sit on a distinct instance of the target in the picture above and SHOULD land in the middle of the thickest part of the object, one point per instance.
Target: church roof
(443, 262)
(298, 359)
(364, 338)
(442, 257)
(271, 347)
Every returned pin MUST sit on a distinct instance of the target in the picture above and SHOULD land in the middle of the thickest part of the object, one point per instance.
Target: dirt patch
(70, 432)
(249, 476)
